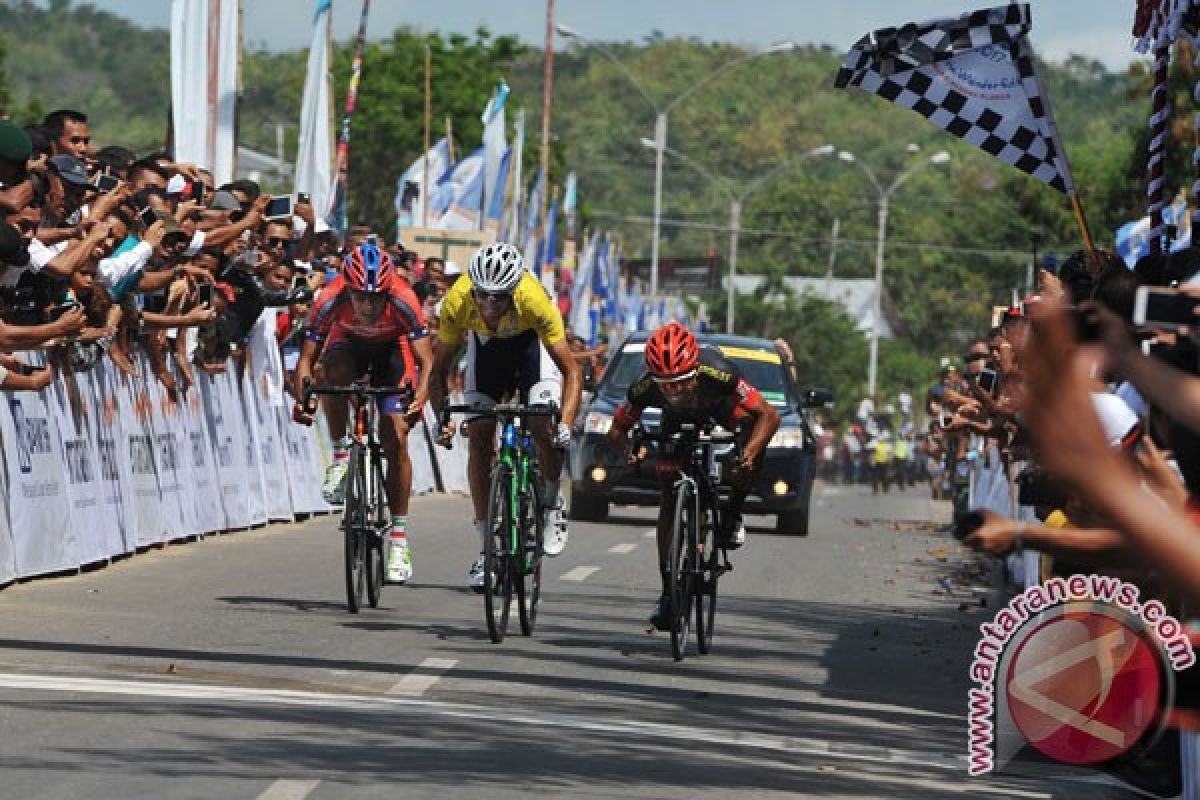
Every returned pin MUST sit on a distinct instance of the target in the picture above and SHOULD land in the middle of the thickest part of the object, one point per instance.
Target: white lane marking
(579, 573)
(624, 728)
(288, 790)
(426, 674)
(832, 491)
(650, 534)
(627, 547)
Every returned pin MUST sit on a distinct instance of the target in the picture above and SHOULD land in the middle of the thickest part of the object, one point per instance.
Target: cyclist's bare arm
(766, 422)
(304, 365)
(560, 353)
(423, 353)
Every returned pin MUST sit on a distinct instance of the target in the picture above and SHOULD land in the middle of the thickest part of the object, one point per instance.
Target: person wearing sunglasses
(359, 325)
(697, 385)
(516, 343)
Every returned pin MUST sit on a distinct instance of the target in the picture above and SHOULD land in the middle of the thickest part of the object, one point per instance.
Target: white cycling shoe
(475, 575)
(399, 561)
(555, 540)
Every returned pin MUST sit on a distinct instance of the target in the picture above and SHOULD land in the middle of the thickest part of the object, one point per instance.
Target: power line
(1023, 255)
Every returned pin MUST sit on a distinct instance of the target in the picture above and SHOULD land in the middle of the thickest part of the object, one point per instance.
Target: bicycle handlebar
(498, 411)
(356, 390)
(685, 432)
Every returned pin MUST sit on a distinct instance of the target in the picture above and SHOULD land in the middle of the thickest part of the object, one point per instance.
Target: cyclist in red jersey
(368, 320)
(696, 385)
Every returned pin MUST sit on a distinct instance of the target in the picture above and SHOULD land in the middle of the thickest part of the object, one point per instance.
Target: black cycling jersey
(722, 396)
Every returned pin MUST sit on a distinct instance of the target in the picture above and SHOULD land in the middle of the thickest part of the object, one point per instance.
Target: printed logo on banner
(79, 461)
(198, 460)
(107, 450)
(168, 452)
(33, 435)
(141, 454)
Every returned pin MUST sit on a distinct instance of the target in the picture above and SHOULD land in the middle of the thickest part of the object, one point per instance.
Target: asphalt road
(229, 668)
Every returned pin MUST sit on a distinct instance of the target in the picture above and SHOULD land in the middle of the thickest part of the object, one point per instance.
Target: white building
(856, 296)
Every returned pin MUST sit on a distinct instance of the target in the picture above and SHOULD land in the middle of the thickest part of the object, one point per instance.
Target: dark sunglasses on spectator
(278, 241)
(495, 297)
(969, 357)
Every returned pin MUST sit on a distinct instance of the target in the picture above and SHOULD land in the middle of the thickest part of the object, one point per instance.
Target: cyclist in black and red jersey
(700, 386)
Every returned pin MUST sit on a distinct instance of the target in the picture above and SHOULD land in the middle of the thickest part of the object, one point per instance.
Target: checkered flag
(973, 76)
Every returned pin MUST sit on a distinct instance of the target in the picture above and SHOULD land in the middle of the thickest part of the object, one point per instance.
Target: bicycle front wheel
(379, 521)
(497, 564)
(706, 571)
(354, 523)
(680, 587)
(529, 562)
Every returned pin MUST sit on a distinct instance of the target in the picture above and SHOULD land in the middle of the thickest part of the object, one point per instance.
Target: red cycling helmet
(368, 269)
(671, 352)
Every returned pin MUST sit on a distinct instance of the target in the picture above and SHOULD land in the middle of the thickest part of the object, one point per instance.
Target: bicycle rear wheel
(354, 521)
(529, 562)
(379, 521)
(706, 572)
(497, 564)
(680, 588)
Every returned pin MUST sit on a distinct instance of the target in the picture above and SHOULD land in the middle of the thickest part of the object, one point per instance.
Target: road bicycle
(512, 546)
(695, 561)
(366, 519)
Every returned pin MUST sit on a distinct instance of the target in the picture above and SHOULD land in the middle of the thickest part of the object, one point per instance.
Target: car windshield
(760, 368)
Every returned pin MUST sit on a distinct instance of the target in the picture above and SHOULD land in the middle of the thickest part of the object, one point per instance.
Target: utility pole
(547, 101)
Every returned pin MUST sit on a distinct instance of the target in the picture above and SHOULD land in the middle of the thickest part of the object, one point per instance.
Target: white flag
(204, 94)
(314, 146)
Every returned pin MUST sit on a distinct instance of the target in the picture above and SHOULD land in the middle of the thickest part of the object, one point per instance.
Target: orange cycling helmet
(368, 269)
(671, 352)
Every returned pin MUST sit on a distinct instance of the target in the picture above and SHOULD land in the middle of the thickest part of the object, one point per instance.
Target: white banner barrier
(100, 464)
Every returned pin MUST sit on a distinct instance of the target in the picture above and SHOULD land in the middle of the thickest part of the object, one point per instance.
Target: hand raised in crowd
(108, 202)
(153, 235)
(41, 378)
(200, 315)
(71, 322)
(997, 535)
(1059, 414)
(259, 207)
(305, 212)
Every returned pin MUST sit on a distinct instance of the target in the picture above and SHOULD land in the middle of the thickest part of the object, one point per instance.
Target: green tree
(388, 130)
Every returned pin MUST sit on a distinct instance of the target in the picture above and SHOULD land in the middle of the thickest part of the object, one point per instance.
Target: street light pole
(884, 196)
(735, 225)
(660, 123)
(660, 146)
(877, 314)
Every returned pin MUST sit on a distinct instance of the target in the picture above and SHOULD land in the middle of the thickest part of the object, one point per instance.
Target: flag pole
(547, 100)
(428, 123)
(1077, 207)
(449, 138)
(343, 149)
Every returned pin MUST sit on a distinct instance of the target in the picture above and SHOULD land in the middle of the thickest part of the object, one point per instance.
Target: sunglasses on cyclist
(674, 380)
(493, 297)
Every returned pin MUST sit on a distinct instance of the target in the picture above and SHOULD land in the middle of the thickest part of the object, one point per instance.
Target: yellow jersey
(532, 309)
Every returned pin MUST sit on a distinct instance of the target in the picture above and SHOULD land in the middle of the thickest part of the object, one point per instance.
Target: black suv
(600, 477)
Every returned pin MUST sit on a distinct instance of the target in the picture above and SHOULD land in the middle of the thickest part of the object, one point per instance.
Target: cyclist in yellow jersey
(516, 342)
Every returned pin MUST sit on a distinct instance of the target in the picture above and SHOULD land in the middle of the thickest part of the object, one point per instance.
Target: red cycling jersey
(333, 319)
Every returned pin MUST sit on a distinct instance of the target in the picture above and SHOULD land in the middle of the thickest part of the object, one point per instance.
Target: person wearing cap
(16, 186)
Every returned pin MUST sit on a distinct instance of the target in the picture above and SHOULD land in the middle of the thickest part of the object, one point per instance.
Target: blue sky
(1096, 28)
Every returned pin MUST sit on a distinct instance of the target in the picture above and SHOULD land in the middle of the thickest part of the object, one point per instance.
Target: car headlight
(595, 422)
(787, 437)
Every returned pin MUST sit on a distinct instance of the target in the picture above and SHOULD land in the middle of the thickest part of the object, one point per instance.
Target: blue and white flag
(518, 152)
(438, 159)
(582, 290)
(495, 207)
(547, 267)
(494, 145)
(462, 193)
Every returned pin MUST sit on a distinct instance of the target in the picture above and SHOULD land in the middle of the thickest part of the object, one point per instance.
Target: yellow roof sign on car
(770, 356)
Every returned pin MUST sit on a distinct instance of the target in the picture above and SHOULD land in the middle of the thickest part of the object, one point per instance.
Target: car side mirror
(817, 397)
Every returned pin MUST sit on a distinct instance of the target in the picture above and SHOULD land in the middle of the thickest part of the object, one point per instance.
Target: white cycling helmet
(498, 267)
